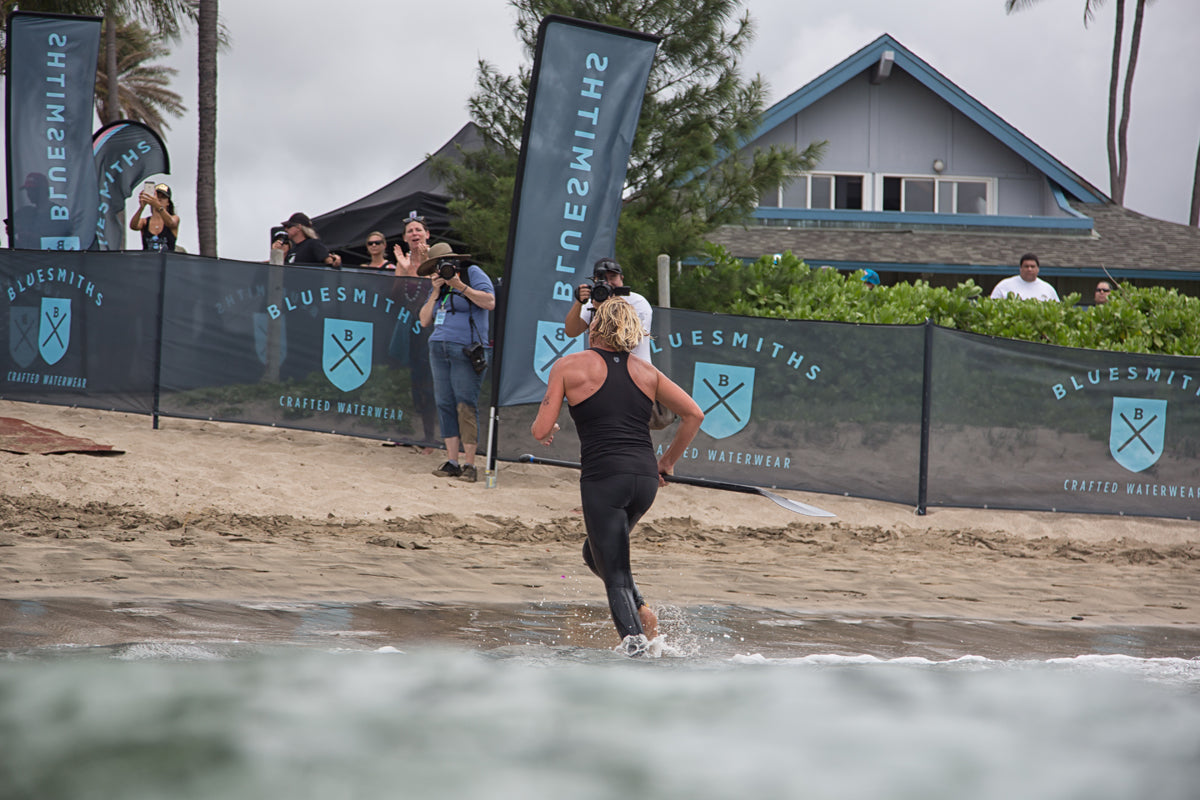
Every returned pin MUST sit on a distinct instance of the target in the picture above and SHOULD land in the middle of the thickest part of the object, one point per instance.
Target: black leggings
(611, 507)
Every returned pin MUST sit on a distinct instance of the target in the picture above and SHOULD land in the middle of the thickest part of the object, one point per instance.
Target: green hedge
(1135, 319)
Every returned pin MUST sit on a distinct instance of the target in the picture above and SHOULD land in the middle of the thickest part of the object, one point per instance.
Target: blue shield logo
(54, 330)
(726, 396)
(552, 344)
(1137, 432)
(346, 356)
(262, 336)
(22, 334)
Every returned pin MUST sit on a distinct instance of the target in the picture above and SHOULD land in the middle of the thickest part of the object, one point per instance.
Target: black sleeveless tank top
(163, 241)
(614, 425)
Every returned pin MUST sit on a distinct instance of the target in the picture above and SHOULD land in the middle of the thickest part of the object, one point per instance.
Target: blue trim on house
(1076, 222)
(1060, 198)
(943, 88)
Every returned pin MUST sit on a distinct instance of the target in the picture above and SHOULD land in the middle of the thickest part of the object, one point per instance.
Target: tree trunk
(1194, 217)
(1135, 43)
(206, 106)
(112, 104)
(1114, 80)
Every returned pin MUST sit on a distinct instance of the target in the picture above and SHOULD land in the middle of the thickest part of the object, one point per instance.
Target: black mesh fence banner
(81, 328)
(1028, 426)
(300, 347)
(819, 406)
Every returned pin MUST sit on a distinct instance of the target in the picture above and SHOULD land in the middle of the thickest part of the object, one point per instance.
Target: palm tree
(1118, 153)
(143, 94)
(206, 106)
(163, 17)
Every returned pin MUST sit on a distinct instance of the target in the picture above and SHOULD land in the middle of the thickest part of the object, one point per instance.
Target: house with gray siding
(921, 180)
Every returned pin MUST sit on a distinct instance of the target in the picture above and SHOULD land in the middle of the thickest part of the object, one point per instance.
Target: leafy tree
(685, 176)
(143, 88)
(1118, 124)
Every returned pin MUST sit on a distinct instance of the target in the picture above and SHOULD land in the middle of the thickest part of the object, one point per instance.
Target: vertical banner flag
(585, 96)
(126, 153)
(49, 100)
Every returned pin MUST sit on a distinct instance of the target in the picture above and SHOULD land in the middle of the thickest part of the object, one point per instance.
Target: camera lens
(601, 292)
(447, 270)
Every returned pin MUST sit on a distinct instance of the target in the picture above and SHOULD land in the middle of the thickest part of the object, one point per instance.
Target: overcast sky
(321, 103)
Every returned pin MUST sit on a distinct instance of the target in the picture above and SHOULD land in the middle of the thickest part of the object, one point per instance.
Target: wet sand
(203, 515)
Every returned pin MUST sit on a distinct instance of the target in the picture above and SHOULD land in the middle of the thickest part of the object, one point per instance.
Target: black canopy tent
(386, 210)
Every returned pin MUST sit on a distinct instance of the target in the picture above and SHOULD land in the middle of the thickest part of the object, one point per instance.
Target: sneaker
(448, 470)
(468, 474)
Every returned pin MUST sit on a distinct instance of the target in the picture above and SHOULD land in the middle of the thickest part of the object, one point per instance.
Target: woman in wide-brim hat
(457, 310)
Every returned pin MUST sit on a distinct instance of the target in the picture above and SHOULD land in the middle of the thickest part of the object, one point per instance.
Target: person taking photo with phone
(160, 230)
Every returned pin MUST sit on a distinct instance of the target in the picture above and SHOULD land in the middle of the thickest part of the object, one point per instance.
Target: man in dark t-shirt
(306, 247)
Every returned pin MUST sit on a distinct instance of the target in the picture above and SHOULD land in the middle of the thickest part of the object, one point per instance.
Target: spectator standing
(416, 236)
(457, 309)
(377, 252)
(307, 247)
(410, 346)
(160, 230)
(1027, 285)
(579, 316)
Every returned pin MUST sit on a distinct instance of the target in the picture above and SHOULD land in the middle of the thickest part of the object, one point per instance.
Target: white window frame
(833, 174)
(938, 180)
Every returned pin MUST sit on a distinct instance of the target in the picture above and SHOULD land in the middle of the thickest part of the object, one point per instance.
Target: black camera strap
(475, 331)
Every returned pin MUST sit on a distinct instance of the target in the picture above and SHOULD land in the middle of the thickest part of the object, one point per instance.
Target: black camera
(278, 235)
(447, 268)
(476, 353)
(602, 290)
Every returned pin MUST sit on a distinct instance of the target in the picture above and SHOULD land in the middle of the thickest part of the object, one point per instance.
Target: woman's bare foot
(649, 622)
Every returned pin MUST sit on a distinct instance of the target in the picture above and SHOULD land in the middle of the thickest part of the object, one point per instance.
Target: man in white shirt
(608, 271)
(1027, 285)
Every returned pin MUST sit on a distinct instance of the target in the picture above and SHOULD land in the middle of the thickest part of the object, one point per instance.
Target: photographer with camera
(306, 246)
(607, 281)
(457, 309)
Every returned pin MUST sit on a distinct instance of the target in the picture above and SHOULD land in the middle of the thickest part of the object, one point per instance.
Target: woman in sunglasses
(377, 252)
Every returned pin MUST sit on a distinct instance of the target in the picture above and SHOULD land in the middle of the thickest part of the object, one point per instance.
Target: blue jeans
(454, 381)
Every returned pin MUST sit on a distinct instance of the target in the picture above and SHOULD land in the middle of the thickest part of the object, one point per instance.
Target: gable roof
(944, 88)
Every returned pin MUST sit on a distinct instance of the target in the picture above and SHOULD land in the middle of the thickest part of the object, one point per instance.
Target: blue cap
(870, 276)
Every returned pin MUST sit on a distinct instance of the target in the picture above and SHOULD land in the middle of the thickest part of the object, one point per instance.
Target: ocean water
(271, 701)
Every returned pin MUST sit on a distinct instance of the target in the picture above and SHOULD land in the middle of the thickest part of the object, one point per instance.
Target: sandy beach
(206, 511)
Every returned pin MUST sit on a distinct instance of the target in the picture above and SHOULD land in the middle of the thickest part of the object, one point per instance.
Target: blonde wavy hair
(616, 322)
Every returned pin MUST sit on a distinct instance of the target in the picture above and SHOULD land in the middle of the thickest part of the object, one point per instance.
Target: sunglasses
(374, 241)
(1104, 290)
